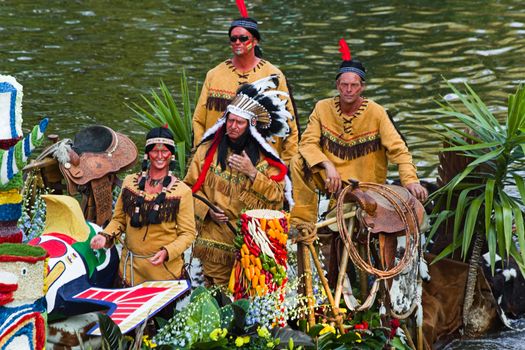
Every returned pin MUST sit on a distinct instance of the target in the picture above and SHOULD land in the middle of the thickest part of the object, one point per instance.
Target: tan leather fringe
(213, 255)
(351, 152)
(167, 211)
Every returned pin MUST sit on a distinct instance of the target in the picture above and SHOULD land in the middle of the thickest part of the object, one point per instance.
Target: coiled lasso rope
(409, 220)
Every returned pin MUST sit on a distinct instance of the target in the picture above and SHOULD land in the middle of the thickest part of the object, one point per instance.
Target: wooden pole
(307, 266)
(409, 337)
(334, 220)
(335, 308)
(343, 264)
(363, 276)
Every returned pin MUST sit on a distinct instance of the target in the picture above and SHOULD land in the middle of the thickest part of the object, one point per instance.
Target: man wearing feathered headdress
(348, 137)
(246, 66)
(234, 168)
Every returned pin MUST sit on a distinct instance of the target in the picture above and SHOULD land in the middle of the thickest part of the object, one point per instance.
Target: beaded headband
(162, 140)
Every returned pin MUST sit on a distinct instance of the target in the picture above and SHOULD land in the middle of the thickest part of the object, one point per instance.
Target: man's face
(243, 43)
(350, 87)
(235, 126)
(160, 157)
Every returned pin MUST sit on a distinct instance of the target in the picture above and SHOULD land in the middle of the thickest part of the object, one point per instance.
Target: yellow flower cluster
(147, 342)
(218, 333)
(241, 340)
(327, 329)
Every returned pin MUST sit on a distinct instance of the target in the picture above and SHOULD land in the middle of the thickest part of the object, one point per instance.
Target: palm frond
(494, 155)
(162, 109)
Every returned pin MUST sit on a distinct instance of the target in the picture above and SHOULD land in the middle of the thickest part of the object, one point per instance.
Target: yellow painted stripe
(10, 197)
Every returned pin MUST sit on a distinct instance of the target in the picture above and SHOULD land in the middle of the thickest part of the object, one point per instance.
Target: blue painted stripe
(27, 145)
(10, 156)
(10, 212)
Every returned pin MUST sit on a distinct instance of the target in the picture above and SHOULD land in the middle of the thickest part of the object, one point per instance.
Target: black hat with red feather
(245, 21)
(348, 64)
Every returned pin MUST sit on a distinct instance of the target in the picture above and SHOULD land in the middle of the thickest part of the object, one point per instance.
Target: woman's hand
(242, 164)
(98, 242)
(159, 258)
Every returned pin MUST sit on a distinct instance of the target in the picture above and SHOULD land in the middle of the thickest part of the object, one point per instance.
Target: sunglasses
(241, 38)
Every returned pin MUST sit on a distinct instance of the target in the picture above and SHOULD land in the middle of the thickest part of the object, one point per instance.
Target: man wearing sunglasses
(245, 66)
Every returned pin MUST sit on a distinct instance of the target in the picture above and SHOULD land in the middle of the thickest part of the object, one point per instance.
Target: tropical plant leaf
(492, 246)
(497, 154)
(470, 223)
(286, 333)
(516, 110)
(211, 345)
(520, 229)
(520, 184)
(470, 147)
(314, 330)
(109, 330)
(489, 199)
(462, 203)
(441, 217)
(500, 231)
(161, 109)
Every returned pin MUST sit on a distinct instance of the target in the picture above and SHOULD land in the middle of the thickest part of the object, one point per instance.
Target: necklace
(154, 182)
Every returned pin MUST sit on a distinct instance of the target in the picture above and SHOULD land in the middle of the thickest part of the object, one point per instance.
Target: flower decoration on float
(14, 152)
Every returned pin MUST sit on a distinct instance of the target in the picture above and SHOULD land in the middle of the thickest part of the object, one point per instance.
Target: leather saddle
(380, 214)
(382, 211)
(89, 166)
(97, 151)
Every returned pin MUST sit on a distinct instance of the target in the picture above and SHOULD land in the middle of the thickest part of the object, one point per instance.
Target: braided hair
(163, 136)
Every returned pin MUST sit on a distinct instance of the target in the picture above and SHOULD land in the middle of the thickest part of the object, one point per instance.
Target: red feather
(283, 170)
(165, 126)
(345, 50)
(242, 8)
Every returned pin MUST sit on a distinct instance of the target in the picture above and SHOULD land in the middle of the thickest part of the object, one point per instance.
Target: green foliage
(113, 339)
(484, 202)
(163, 110)
(203, 324)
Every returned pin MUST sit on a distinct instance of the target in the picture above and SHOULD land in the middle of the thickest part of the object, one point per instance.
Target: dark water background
(81, 61)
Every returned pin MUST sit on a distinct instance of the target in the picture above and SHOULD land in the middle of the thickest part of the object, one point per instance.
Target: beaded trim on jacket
(219, 99)
(357, 145)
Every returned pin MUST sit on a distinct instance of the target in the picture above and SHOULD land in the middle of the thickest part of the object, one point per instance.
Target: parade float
(384, 301)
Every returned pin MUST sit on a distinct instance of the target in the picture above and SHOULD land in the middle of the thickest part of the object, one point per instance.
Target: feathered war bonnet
(265, 109)
(348, 64)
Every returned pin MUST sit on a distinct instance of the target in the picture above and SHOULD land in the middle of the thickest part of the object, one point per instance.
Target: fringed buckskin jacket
(232, 192)
(359, 145)
(220, 88)
(175, 233)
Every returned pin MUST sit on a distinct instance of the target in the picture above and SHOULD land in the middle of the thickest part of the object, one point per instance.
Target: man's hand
(98, 242)
(332, 182)
(159, 258)
(218, 216)
(242, 164)
(418, 191)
